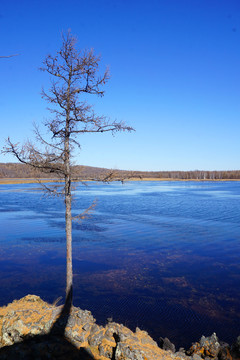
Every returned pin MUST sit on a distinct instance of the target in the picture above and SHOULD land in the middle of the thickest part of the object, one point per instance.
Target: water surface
(163, 256)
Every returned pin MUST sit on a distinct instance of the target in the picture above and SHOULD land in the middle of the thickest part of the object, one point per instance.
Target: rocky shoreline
(30, 328)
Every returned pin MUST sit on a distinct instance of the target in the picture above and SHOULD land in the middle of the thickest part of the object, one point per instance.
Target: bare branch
(40, 139)
(29, 155)
(86, 213)
(52, 190)
(8, 56)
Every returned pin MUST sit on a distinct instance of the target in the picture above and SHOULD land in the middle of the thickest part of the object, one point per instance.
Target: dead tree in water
(74, 73)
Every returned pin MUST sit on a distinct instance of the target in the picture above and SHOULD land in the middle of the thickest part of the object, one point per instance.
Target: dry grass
(8, 181)
(24, 181)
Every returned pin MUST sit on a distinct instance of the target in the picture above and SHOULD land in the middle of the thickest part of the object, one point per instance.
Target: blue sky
(175, 78)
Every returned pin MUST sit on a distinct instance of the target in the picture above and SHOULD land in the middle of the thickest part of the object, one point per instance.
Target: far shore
(9, 181)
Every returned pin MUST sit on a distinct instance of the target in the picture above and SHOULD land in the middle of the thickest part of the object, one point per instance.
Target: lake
(163, 256)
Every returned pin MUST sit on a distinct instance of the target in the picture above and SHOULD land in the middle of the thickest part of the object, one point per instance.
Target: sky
(175, 78)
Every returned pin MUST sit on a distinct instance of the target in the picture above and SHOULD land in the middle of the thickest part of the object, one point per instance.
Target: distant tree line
(17, 170)
(194, 175)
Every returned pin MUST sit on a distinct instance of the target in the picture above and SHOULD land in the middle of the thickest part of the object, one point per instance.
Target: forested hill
(16, 170)
(21, 171)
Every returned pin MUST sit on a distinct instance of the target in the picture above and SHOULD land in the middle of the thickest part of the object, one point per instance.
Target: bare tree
(74, 74)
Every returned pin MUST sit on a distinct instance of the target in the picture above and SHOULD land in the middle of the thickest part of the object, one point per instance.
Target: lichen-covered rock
(206, 347)
(132, 346)
(34, 329)
(124, 351)
(96, 338)
(26, 317)
(106, 348)
(26, 328)
(196, 357)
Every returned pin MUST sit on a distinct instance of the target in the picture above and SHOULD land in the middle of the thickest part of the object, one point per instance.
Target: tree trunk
(68, 199)
(68, 217)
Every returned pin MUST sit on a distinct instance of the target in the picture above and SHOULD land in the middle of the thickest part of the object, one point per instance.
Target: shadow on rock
(51, 345)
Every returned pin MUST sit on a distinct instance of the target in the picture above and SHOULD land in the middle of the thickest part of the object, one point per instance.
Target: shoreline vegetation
(12, 181)
(15, 173)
